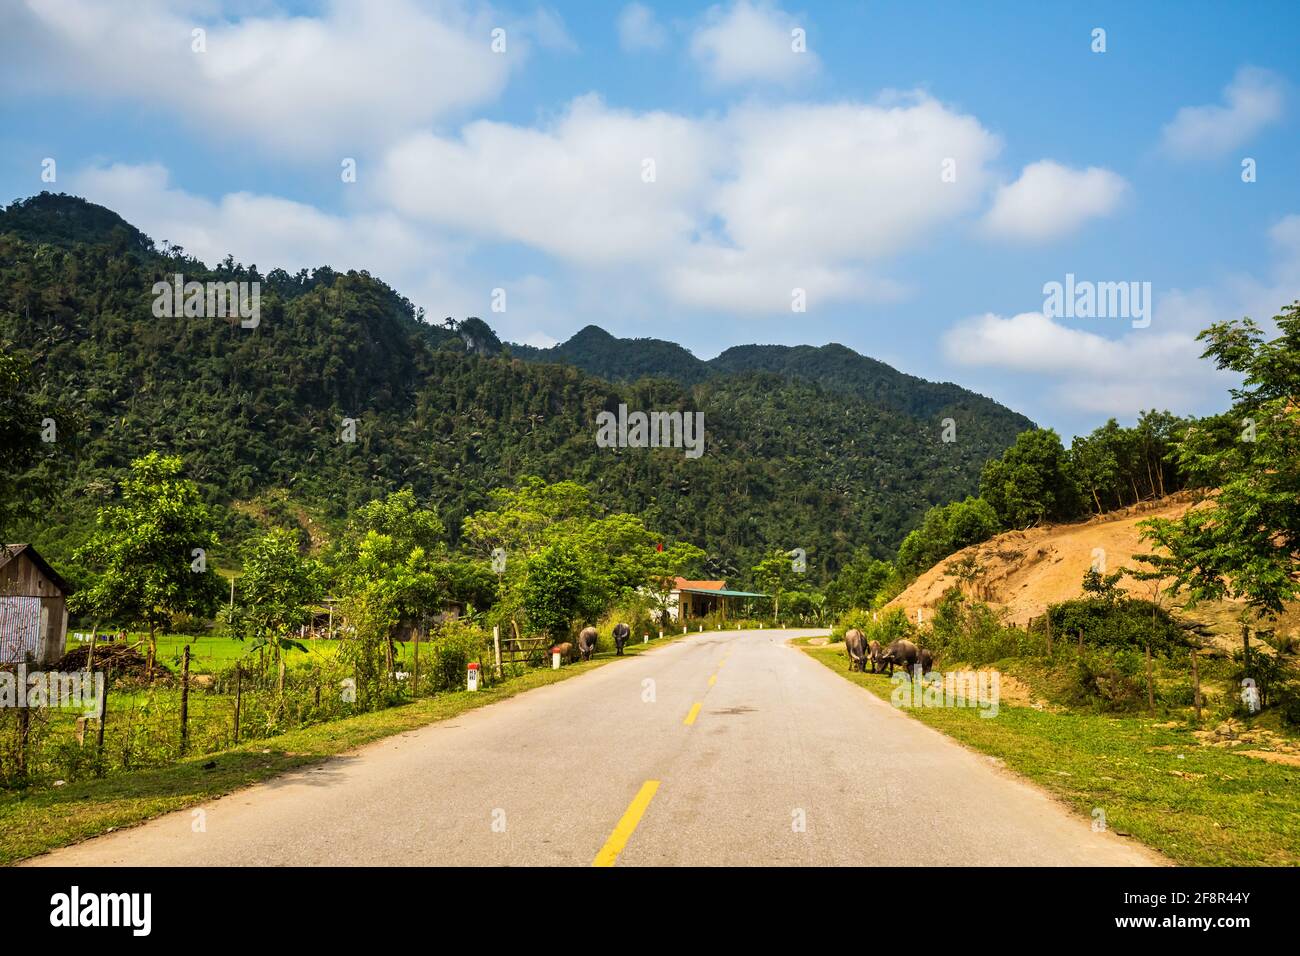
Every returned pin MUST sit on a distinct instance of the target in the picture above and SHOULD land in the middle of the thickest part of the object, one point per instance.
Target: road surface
(723, 748)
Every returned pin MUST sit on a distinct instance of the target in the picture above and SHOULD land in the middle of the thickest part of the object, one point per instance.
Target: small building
(33, 607)
(692, 599)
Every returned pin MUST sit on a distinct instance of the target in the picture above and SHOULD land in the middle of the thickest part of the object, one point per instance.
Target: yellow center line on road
(627, 824)
(695, 712)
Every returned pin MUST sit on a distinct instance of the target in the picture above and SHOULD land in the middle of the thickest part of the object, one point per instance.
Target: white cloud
(752, 42)
(639, 30)
(743, 207)
(1252, 100)
(1050, 200)
(574, 189)
(360, 72)
(1085, 368)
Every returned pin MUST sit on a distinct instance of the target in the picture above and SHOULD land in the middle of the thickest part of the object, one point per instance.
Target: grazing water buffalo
(621, 632)
(927, 661)
(587, 643)
(901, 653)
(565, 651)
(873, 655)
(857, 649)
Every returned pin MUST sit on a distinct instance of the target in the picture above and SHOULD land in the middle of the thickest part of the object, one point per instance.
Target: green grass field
(1199, 805)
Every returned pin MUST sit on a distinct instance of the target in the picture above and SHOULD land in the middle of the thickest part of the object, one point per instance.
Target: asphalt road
(782, 763)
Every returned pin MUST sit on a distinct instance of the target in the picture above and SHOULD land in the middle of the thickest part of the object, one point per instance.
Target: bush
(973, 633)
(451, 647)
(1111, 678)
(1129, 623)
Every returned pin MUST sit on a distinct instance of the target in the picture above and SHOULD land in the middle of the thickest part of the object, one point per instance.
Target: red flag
(659, 546)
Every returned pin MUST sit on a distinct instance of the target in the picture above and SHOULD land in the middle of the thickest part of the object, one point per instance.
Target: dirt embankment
(1022, 572)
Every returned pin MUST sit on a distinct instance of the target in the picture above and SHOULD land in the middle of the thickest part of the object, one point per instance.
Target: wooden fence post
(1196, 686)
(1151, 692)
(239, 695)
(185, 700)
(1048, 619)
(1245, 647)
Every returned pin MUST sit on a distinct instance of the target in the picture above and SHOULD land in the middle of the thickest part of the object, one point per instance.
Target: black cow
(857, 649)
(902, 654)
(873, 654)
(587, 643)
(621, 632)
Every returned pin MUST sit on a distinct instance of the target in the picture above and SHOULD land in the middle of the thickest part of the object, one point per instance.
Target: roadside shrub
(973, 633)
(1122, 623)
(1273, 676)
(451, 647)
(1110, 678)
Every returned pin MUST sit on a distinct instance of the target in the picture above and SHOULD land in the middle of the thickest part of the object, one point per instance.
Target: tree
(945, 530)
(275, 591)
(773, 573)
(151, 551)
(1031, 482)
(393, 565)
(558, 589)
(1242, 539)
(859, 582)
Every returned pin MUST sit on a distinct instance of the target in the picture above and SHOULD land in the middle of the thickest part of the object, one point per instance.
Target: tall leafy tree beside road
(1243, 540)
(275, 592)
(151, 552)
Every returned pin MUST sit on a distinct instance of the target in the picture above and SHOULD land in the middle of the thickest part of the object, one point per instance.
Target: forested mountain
(833, 367)
(829, 457)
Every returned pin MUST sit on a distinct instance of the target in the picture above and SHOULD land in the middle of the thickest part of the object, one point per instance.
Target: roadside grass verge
(38, 820)
(1199, 805)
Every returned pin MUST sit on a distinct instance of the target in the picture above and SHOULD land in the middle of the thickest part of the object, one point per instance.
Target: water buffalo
(565, 651)
(901, 653)
(621, 632)
(927, 661)
(587, 643)
(857, 649)
(873, 654)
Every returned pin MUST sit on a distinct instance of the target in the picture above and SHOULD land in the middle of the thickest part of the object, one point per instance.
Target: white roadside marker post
(472, 678)
(645, 638)
(555, 660)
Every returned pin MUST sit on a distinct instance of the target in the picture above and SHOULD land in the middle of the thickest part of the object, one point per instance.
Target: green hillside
(804, 447)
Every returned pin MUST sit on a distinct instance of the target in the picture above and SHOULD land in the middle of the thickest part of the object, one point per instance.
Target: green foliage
(971, 632)
(862, 582)
(816, 448)
(775, 574)
(20, 441)
(1112, 620)
(143, 550)
(1118, 466)
(275, 591)
(946, 529)
(451, 648)
(1108, 678)
(559, 588)
(1032, 482)
(1244, 542)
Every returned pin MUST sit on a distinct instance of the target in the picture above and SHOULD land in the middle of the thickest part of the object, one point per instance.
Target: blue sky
(774, 168)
